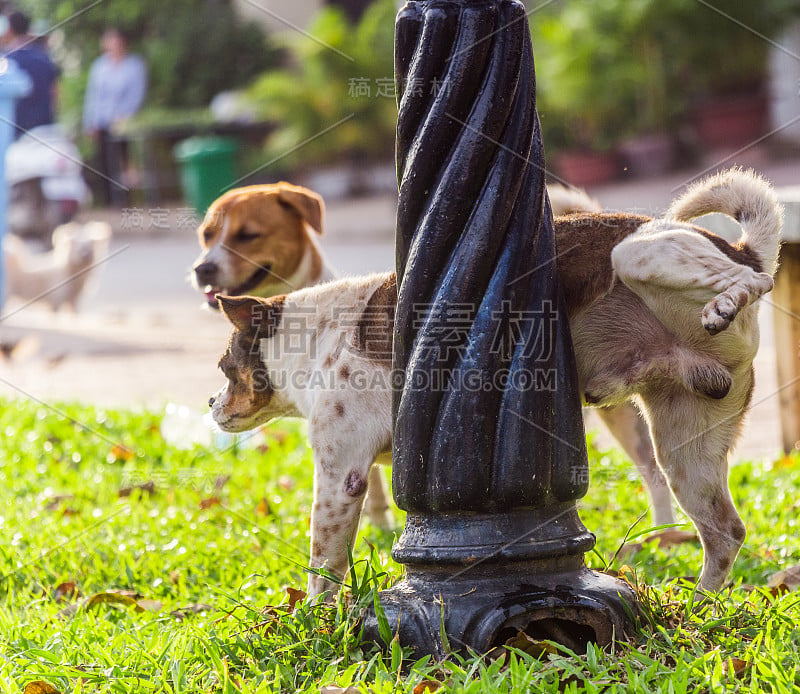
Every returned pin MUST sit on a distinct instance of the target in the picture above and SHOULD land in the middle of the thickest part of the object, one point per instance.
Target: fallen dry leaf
(39, 687)
(148, 487)
(109, 598)
(211, 501)
(147, 605)
(220, 482)
(333, 689)
(427, 686)
(195, 608)
(66, 591)
(664, 539)
(286, 482)
(790, 577)
(54, 502)
(526, 644)
(120, 453)
(263, 508)
(735, 666)
(295, 596)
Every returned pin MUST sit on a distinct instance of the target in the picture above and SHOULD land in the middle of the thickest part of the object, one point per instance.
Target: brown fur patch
(376, 325)
(344, 372)
(584, 243)
(738, 253)
(339, 407)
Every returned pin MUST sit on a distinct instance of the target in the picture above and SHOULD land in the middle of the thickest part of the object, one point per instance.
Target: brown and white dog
(261, 240)
(651, 304)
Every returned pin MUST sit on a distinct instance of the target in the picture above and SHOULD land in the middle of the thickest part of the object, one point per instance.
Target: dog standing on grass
(661, 312)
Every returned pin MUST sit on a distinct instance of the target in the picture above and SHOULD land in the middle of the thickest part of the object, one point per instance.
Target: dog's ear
(305, 202)
(241, 311)
(252, 314)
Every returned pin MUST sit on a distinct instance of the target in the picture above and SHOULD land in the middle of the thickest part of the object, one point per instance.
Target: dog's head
(248, 398)
(81, 245)
(254, 238)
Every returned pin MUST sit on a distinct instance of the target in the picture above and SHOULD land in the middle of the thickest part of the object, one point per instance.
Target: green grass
(201, 557)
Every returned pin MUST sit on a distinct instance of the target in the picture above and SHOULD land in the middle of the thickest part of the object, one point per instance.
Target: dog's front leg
(339, 490)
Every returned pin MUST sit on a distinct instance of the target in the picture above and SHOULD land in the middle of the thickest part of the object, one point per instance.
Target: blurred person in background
(38, 108)
(115, 92)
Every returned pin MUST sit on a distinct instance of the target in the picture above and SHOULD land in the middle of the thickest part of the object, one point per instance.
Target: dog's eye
(244, 235)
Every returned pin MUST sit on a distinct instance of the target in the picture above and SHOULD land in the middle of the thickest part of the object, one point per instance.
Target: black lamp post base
(481, 607)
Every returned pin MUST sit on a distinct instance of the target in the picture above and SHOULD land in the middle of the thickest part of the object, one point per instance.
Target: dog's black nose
(206, 272)
(211, 401)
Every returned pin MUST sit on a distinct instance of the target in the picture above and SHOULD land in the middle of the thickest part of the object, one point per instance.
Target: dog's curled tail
(749, 199)
(565, 200)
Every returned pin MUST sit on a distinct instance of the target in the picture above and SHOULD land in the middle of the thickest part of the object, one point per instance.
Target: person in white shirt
(116, 90)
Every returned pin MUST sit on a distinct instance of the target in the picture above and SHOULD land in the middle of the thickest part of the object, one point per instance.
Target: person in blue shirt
(38, 108)
(116, 90)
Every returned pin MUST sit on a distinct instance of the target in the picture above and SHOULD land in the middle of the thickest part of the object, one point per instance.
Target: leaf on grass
(735, 666)
(195, 608)
(790, 577)
(174, 576)
(148, 487)
(286, 482)
(119, 453)
(208, 503)
(263, 508)
(69, 611)
(69, 511)
(66, 591)
(147, 605)
(295, 596)
(109, 598)
(427, 686)
(220, 482)
(333, 689)
(39, 687)
(523, 642)
(54, 502)
(664, 540)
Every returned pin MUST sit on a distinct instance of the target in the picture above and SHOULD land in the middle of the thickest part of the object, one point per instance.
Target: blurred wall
(785, 84)
(278, 15)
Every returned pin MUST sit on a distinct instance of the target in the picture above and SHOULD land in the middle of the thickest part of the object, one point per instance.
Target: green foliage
(204, 557)
(321, 89)
(609, 69)
(194, 49)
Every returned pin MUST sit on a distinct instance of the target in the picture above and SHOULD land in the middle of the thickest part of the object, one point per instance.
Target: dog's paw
(719, 312)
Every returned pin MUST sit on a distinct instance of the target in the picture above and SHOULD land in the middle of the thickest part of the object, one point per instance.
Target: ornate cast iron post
(489, 449)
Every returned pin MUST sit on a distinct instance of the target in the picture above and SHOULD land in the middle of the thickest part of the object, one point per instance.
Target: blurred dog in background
(57, 277)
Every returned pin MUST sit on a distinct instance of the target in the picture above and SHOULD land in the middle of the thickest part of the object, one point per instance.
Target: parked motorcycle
(46, 185)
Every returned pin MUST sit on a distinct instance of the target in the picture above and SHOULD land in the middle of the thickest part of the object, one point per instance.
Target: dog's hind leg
(662, 257)
(692, 441)
(629, 428)
(376, 504)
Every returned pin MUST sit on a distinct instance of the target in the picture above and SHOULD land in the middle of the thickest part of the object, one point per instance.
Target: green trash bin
(207, 168)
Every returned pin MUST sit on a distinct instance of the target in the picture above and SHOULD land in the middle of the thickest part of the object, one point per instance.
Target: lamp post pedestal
(489, 454)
